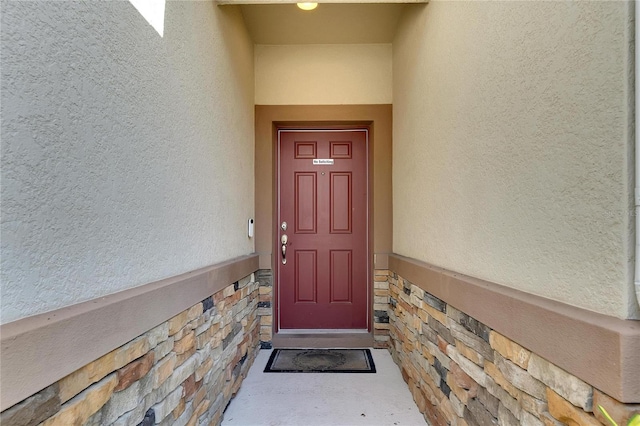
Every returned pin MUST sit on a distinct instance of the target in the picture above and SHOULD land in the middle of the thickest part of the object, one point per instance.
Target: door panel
(306, 276)
(323, 284)
(305, 203)
(341, 275)
(340, 209)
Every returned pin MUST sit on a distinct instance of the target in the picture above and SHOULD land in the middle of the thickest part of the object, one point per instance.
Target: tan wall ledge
(40, 350)
(603, 351)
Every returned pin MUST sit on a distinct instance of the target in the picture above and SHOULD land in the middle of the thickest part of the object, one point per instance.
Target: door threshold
(306, 340)
(323, 331)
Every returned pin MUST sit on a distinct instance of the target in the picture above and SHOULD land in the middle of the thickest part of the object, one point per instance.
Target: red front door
(323, 201)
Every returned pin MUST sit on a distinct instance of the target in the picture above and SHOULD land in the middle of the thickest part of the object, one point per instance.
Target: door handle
(284, 240)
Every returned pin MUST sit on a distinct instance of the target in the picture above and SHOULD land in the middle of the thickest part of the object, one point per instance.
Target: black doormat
(320, 361)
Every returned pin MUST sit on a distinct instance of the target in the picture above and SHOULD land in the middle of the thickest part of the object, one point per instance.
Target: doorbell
(250, 230)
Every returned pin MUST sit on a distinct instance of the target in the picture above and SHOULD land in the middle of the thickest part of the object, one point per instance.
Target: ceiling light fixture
(307, 6)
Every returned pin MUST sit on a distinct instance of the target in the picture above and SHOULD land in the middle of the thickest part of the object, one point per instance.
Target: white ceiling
(329, 23)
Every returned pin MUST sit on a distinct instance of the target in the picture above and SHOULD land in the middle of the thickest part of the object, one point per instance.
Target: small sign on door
(323, 162)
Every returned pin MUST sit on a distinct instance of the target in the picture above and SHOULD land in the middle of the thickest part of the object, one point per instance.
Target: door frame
(311, 338)
(379, 118)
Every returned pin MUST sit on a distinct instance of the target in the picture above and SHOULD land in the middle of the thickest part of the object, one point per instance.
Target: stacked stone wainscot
(265, 307)
(182, 372)
(381, 307)
(461, 372)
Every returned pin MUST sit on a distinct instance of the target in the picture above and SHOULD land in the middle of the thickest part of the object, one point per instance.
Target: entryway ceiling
(329, 23)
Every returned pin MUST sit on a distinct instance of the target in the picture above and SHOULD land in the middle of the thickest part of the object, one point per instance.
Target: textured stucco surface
(323, 74)
(512, 149)
(126, 157)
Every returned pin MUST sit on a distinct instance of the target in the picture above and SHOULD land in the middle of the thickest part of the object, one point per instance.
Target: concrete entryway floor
(327, 399)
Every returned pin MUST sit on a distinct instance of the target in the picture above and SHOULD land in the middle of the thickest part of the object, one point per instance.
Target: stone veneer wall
(265, 310)
(461, 372)
(182, 372)
(381, 326)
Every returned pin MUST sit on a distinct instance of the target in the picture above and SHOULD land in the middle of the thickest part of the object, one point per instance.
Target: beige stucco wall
(126, 157)
(512, 150)
(323, 74)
